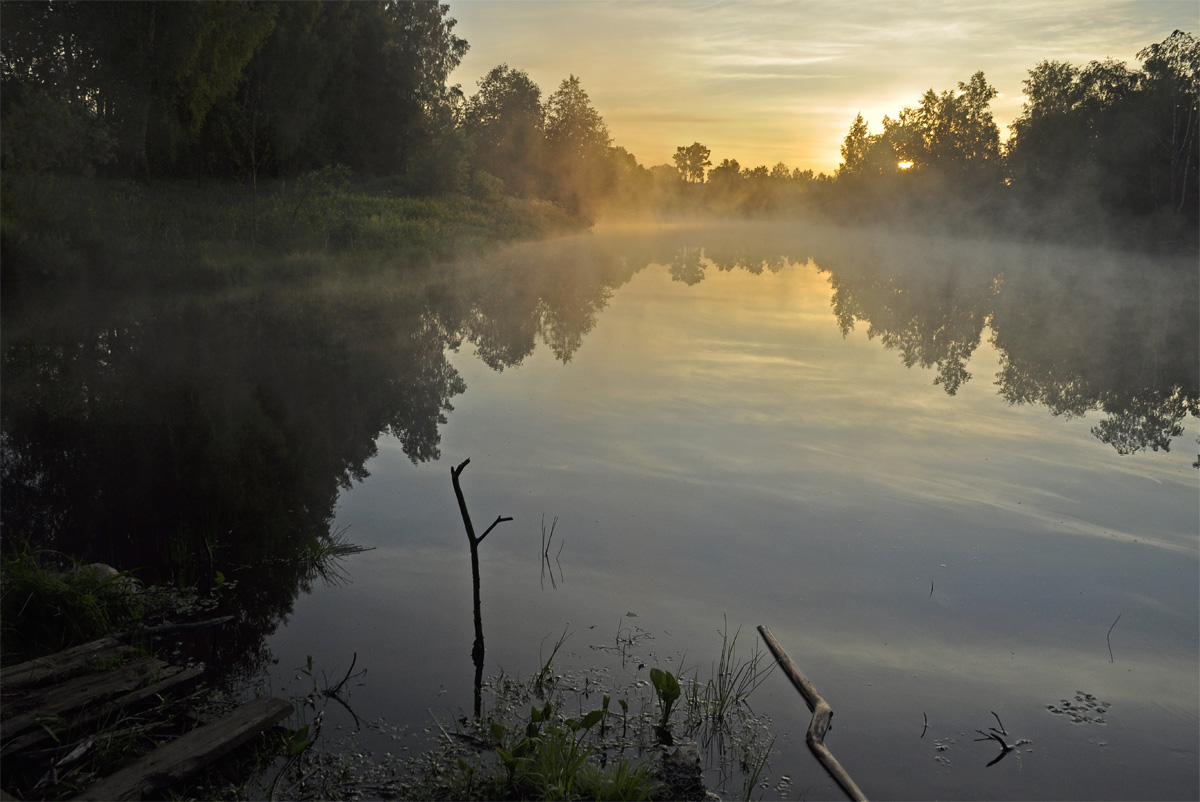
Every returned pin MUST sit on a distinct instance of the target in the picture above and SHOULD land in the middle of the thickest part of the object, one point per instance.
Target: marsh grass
(729, 685)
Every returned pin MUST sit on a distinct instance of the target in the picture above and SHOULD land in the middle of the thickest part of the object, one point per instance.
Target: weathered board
(69, 696)
(189, 753)
(173, 678)
(55, 667)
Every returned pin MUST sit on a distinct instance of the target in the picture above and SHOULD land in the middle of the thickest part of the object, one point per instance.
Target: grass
(120, 233)
(49, 602)
(730, 684)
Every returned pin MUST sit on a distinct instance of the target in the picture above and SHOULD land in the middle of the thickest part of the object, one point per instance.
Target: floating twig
(1108, 638)
(926, 715)
(822, 714)
(1005, 748)
(1002, 731)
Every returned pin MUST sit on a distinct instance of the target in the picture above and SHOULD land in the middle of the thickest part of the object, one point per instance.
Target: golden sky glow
(763, 82)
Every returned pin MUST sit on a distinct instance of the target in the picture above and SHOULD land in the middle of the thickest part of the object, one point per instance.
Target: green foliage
(503, 122)
(551, 758)
(48, 605)
(121, 234)
(40, 133)
(194, 88)
(666, 688)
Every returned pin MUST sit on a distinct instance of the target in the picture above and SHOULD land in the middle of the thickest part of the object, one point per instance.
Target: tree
(1172, 70)
(855, 147)
(503, 121)
(691, 162)
(577, 143)
(726, 172)
(953, 133)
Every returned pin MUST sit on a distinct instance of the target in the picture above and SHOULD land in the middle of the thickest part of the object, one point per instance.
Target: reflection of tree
(1076, 335)
(1148, 421)
(508, 302)
(182, 437)
(1120, 340)
(932, 323)
(685, 266)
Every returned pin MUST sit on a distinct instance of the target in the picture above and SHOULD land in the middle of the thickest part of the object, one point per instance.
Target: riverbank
(120, 234)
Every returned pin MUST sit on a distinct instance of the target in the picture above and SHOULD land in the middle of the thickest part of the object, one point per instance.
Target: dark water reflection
(182, 437)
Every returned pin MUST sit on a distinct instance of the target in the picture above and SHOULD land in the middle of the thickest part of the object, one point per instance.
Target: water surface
(938, 470)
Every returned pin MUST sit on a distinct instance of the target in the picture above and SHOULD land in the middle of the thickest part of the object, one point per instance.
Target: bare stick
(1108, 637)
(477, 650)
(822, 714)
(1002, 731)
(926, 715)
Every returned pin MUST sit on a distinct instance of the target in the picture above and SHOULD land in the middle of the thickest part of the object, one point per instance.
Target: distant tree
(691, 161)
(855, 148)
(503, 121)
(727, 171)
(781, 171)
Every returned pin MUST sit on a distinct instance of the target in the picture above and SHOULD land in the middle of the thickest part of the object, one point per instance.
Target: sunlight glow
(904, 165)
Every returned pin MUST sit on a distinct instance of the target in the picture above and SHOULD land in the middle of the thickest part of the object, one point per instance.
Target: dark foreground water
(939, 471)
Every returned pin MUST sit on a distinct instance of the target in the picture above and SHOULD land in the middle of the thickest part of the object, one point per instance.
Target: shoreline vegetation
(589, 733)
(113, 234)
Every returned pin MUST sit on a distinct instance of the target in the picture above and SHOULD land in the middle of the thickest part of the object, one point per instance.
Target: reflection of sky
(721, 449)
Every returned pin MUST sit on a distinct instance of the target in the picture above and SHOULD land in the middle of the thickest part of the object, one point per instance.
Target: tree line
(1092, 144)
(249, 90)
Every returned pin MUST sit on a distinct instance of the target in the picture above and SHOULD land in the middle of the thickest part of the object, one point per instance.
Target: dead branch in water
(822, 715)
(477, 649)
(1108, 637)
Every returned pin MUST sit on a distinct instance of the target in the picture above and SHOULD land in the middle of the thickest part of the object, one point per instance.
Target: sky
(782, 80)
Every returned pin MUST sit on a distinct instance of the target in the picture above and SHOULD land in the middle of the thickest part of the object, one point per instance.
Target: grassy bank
(120, 233)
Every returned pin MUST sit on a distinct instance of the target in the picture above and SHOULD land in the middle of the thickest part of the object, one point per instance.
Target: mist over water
(937, 469)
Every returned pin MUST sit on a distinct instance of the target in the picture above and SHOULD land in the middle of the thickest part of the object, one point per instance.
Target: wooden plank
(66, 697)
(173, 678)
(59, 666)
(189, 753)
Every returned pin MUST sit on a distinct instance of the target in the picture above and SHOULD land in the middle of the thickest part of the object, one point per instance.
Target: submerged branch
(822, 715)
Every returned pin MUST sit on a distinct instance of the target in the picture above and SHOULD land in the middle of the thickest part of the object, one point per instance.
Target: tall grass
(730, 683)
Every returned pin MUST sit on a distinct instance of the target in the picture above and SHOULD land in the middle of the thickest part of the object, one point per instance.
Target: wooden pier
(51, 708)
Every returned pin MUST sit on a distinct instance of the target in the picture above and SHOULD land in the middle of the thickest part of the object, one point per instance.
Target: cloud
(764, 77)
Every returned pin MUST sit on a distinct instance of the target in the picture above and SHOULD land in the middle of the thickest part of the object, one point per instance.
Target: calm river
(955, 479)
